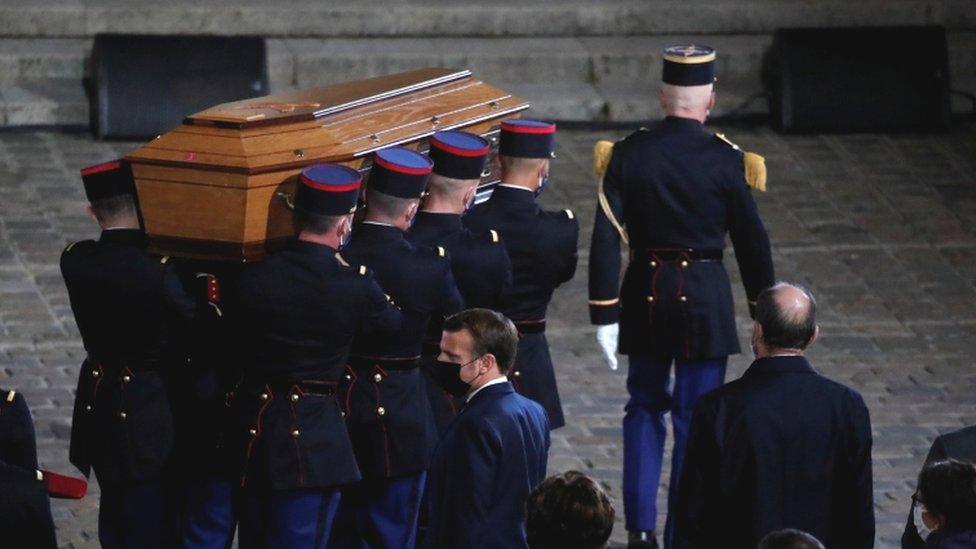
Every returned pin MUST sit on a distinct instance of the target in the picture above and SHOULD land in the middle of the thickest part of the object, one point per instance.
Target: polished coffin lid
(208, 188)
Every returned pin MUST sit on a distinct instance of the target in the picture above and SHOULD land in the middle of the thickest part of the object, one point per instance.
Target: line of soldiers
(300, 397)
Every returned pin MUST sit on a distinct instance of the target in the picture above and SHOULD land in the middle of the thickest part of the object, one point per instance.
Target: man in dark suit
(780, 447)
(133, 314)
(495, 452)
(541, 246)
(384, 391)
(960, 445)
(297, 313)
(479, 261)
(672, 193)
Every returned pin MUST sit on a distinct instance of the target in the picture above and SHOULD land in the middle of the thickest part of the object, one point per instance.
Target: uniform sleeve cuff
(604, 311)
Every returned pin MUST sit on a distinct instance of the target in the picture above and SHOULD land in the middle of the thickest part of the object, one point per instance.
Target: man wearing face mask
(295, 316)
(478, 260)
(672, 193)
(495, 453)
(384, 392)
(542, 247)
(780, 447)
(945, 505)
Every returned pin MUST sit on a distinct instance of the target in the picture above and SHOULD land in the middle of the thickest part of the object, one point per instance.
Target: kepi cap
(458, 155)
(328, 189)
(688, 65)
(527, 138)
(400, 172)
(107, 179)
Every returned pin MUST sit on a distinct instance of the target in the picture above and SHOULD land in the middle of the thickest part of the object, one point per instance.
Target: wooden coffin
(218, 186)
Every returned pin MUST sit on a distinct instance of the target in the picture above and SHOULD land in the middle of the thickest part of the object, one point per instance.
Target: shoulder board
(164, 260)
(76, 244)
(362, 270)
(494, 235)
(569, 213)
(441, 252)
(11, 395)
(721, 137)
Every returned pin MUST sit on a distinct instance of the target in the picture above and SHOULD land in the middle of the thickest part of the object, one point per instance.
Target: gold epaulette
(602, 151)
(755, 165)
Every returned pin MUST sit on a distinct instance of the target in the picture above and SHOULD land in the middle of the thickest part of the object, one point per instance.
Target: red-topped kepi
(107, 179)
(328, 189)
(459, 155)
(527, 138)
(400, 172)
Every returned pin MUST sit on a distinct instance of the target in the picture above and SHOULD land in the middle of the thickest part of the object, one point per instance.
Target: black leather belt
(526, 327)
(677, 254)
(388, 364)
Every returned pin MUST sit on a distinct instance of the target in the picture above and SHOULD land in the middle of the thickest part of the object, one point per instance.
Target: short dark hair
(780, 329)
(491, 331)
(386, 205)
(790, 539)
(568, 511)
(314, 223)
(948, 488)
(110, 207)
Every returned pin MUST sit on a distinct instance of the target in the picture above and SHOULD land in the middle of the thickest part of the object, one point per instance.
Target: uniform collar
(313, 249)
(780, 365)
(133, 237)
(438, 220)
(511, 193)
(496, 381)
(380, 231)
(683, 124)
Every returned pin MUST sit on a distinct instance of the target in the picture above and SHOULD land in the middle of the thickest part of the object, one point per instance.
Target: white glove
(606, 336)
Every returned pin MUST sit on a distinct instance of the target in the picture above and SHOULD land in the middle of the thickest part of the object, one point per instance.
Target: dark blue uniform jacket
(492, 456)
(676, 188)
(780, 447)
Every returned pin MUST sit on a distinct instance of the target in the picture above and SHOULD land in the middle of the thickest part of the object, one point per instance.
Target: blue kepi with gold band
(688, 65)
(459, 155)
(328, 189)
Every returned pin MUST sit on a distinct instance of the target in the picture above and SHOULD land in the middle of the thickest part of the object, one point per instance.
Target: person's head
(397, 180)
(694, 102)
(786, 320)
(568, 511)
(790, 539)
(947, 495)
(524, 151)
(482, 341)
(459, 160)
(688, 74)
(110, 190)
(325, 198)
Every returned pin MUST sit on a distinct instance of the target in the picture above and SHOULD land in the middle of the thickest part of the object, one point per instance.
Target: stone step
(465, 18)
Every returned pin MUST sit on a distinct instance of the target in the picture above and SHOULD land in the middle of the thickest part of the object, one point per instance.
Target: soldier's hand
(606, 336)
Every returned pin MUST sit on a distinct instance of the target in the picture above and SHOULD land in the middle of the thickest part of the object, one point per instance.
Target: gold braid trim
(601, 159)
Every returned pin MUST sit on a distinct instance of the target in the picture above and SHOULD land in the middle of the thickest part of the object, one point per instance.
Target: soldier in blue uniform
(296, 315)
(542, 248)
(673, 193)
(133, 314)
(384, 393)
(479, 261)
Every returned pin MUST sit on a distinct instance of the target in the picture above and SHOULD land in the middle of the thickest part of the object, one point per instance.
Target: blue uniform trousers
(648, 383)
(287, 518)
(380, 514)
(208, 520)
(136, 515)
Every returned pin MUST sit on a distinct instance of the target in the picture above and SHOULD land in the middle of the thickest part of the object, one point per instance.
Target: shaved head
(787, 314)
(687, 101)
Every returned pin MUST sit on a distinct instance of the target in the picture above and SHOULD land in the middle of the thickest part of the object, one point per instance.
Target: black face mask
(448, 376)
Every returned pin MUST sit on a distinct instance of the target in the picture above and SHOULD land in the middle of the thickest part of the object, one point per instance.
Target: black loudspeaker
(142, 86)
(859, 79)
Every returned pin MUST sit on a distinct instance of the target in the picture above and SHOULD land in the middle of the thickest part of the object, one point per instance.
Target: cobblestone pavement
(881, 227)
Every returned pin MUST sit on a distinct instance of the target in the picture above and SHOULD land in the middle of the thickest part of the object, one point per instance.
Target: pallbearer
(132, 312)
(673, 192)
(541, 245)
(384, 392)
(297, 313)
(479, 261)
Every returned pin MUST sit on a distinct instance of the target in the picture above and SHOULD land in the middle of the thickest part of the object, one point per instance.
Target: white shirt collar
(495, 381)
(380, 223)
(519, 187)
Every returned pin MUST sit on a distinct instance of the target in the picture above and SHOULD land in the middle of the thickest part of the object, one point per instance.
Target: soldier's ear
(816, 334)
